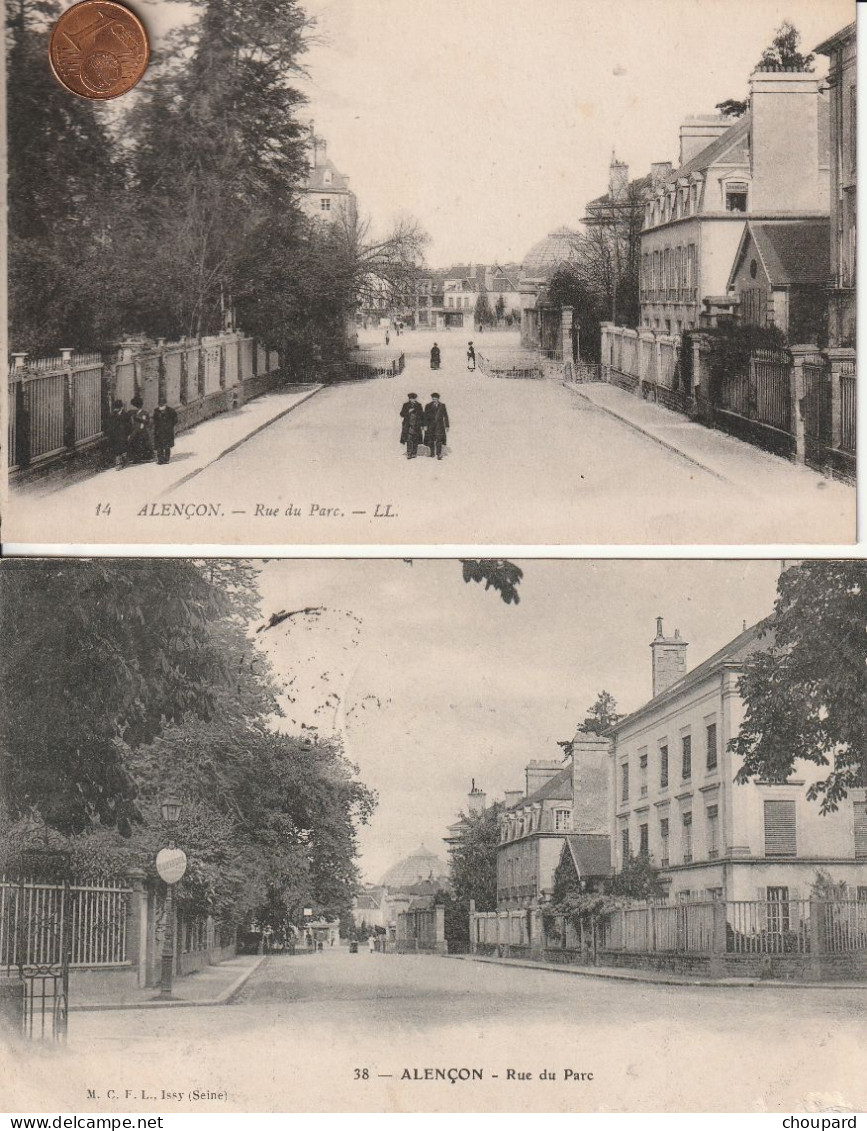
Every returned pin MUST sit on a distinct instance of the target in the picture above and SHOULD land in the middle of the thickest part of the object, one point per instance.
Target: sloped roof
(591, 853)
(315, 181)
(791, 251)
(558, 788)
(419, 865)
(706, 157)
(364, 901)
(639, 185)
(544, 257)
(751, 640)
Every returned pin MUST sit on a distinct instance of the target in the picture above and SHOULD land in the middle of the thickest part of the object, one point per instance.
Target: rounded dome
(544, 257)
(418, 866)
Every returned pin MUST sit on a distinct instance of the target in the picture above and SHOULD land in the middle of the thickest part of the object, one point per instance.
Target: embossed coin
(98, 49)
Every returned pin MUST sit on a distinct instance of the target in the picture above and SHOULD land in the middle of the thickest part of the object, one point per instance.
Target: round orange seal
(98, 49)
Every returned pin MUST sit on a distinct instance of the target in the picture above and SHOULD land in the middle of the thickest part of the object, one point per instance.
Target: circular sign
(171, 864)
(99, 49)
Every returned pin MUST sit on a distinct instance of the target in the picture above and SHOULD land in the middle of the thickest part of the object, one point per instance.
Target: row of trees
(145, 683)
(162, 212)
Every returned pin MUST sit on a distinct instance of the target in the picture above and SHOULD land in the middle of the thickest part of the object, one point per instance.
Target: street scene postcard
(416, 836)
(589, 268)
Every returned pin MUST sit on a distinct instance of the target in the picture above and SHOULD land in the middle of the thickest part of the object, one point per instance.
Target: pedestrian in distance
(411, 430)
(436, 420)
(371, 944)
(471, 357)
(140, 449)
(387, 338)
(165, 419)
(435, 356)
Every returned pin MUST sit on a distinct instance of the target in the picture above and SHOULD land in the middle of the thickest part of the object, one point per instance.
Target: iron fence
(760, 926)
(35, 916)
(847, 407)
(844, 926)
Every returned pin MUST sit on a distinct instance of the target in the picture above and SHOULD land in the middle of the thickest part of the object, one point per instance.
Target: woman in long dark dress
(435, 356)
(140, 447)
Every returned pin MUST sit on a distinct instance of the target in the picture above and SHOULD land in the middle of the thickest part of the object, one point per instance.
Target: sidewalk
(734, 461)
(214, 985)
(194, 450)
(657, 977)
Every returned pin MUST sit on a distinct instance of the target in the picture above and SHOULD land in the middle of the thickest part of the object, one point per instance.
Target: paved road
(528, 463)
(301, 1026)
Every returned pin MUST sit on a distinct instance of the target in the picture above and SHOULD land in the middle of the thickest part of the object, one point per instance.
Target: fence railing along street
(798, 402)
(58, 406)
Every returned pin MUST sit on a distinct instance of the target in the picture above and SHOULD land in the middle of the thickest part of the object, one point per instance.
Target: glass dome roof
(544, 257)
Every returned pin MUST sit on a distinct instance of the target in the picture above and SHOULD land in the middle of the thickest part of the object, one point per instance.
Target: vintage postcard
(360, 272)
(434, 835)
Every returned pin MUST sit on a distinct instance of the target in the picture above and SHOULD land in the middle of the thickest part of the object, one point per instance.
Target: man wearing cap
(436, 420)
(413, 418)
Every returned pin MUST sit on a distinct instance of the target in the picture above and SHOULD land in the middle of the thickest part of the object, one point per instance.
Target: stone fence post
(840, 359)
(719, 938)
(797, 393)
(606, 347)
(473, 928)
(701, 376)
(137, 923)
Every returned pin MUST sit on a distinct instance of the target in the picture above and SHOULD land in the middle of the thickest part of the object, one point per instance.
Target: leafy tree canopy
(473, 858)
(804, 695)
(495, 573)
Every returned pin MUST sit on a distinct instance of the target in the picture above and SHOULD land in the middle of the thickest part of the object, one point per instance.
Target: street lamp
(171, 864)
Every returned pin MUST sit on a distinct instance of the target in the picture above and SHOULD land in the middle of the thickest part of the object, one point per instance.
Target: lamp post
(171, 864)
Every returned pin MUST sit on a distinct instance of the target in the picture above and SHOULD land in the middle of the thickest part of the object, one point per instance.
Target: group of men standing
(427, 425)
(133, 436)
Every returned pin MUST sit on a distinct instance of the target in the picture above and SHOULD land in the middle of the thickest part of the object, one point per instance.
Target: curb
(243, 440)
(613, 974)
(650, 435)
(224, 998)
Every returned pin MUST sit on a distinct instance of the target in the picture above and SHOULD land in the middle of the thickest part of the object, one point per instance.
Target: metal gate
(37, 941)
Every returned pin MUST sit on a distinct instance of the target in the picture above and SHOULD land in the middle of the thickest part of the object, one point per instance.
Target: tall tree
(122, 650)
(805, 693)
(599, 719)
(782, 54)
(473, 858)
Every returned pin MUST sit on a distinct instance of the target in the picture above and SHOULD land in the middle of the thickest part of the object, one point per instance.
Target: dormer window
(327, 177)
(736, 196)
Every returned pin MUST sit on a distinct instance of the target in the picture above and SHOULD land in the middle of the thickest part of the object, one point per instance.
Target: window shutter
(780, 837)
(860, 808)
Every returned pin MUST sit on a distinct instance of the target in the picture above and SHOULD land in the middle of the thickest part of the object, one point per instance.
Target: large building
(325, 192)
(772, 164)
(840, 49)
(674, 796)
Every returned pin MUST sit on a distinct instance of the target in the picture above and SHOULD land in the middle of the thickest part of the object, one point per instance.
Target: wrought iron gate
(37, 914)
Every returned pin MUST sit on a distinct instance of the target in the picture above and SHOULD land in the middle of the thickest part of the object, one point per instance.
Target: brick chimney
(476, 799)
(618, 179)
(591, 773)
(789, 142)
(660, 171)
(698, 131)
(668, 659)
(538, 773)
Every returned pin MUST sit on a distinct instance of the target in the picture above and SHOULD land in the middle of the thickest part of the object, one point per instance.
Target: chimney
(699, 131)
(591, 773)
(669, 659)
(660, 171)
(789, 142)
(538, 773)
(476, 799)
(512, 797)
(618, 179)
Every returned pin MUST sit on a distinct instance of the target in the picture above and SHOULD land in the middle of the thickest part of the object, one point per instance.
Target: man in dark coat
(413, 420)
(117, 430)
(436, 421)
(435, 356)
(165, 419)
